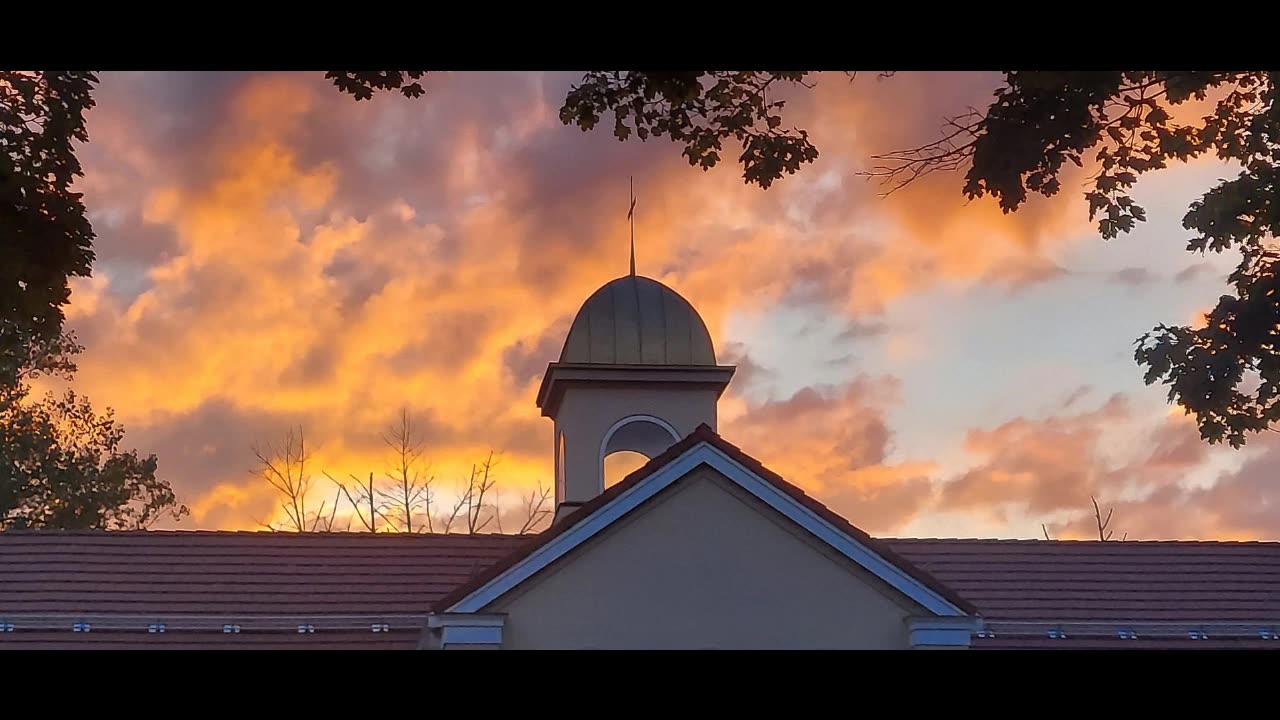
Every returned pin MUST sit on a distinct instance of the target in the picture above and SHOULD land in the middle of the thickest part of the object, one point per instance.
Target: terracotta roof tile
(344, 582)
(1170, 581)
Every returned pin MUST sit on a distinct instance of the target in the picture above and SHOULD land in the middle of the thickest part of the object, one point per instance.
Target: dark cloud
(527, 359)
(1133, 276)
(129, 239)
(369, 435)
(1191, 272)
(748, 374)
(453, 340)
(1023, 273)
(181, 115)
(210, 444)
(355, 279)
(1075, 395)
(855, 329)
(315, 367)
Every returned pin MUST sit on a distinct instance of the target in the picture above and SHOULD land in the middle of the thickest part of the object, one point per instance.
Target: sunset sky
(272, 253)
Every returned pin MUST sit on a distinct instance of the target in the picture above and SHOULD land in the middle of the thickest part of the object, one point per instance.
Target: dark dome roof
(635, 320)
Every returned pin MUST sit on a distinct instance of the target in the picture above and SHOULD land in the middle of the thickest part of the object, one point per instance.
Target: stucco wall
(586, 414)
(704, 565)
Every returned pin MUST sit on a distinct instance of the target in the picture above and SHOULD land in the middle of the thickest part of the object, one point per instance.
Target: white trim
(943, 631)
(668, 474)
(837, 538)
(470, 620)
(608, 435)
(464, 635)
(557, 450)
(470, 630)
(587, 527)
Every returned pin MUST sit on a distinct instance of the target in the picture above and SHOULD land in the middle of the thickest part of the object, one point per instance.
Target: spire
(631, 215)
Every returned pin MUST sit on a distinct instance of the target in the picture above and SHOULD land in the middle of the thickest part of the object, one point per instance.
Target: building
(702, 548)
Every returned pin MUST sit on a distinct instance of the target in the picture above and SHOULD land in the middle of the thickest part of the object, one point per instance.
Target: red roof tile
(1037, 594)
(270, 582)
(277, 640)
(266, 582)
(1190, 581)
(1032, 593)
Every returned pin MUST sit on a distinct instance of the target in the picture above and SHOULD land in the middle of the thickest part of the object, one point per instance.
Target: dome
(635, 320)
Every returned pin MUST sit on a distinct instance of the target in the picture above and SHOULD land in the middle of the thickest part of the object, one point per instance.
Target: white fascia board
(836, 538)
(468, 629)
(943, 631)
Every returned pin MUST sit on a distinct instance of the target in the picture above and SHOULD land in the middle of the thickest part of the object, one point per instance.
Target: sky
(273, 254)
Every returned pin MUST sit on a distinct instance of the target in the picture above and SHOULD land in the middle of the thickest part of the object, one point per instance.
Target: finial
(631, 215)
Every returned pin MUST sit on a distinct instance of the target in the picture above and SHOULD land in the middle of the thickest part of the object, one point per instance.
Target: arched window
(559, 465)
(630, 443)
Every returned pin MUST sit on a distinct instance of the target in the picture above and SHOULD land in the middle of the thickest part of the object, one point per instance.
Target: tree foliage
(362, 84)
(45, 236)
(61, 465)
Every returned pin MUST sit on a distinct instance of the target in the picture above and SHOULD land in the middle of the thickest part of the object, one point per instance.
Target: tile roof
(1032, 593)
(344, 584)
(1135, 594)
(196, 582)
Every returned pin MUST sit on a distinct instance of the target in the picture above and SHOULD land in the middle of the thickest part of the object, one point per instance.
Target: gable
(705, 564)
(705, 447)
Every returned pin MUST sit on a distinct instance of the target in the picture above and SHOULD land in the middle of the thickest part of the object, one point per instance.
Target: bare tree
(1102, 523)
(284, 467)
(482, 481)
(364, 500)
(409, 493)
(404, 498)
(537, 507)
(471, 503)
(1103, 533)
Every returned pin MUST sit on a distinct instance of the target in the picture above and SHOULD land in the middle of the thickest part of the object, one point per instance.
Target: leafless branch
(482, 482)
(1103, 533)
(363, 499)
(410, 494)
(950, 152)
(536, 508)
(284, 467)
(447, 521)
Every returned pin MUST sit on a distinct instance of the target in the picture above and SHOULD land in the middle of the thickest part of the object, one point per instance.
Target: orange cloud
(273, 254)
(1046, 470)
(834, 442)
